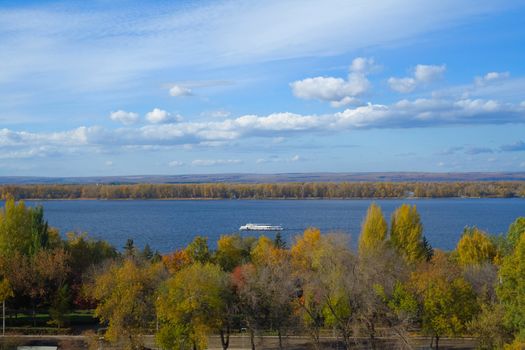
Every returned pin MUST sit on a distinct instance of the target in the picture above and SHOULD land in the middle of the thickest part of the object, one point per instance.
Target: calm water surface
(167, 225)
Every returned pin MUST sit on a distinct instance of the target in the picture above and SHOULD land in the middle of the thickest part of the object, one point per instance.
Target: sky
(118, 87)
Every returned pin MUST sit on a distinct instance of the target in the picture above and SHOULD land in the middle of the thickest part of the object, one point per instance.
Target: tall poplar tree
(373, 230)
(406, 233)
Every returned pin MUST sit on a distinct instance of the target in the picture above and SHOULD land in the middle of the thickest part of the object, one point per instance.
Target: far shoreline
(259, 199)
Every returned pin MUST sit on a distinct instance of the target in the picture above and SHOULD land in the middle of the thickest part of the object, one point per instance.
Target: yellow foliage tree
(406, 233)
(475, 247)
(373, 230)
(126, 299)
(191, 305)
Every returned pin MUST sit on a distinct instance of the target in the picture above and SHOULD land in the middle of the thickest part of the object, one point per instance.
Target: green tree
(198, 250)
(475, 247)
(515, 231)
(5, 292)
(489, 327)
(511, 289)
(129, 248)
(447, 301)
(147, 253)
(373, 230)
(191, 305)
(406, 233)
(22, 229)
(279, 242)
(60, 305)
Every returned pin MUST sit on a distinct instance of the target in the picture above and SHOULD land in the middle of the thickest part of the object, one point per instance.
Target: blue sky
(176, 87)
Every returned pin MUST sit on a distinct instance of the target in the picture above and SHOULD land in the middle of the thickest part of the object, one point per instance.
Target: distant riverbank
(287, 190)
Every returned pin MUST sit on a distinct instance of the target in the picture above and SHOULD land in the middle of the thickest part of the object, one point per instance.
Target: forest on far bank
(291, 190)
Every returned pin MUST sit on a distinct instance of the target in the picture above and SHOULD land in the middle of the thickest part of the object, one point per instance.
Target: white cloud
(277, 159)
(175, 163)
(337, 91)
(423, 74)
(428, 73)
(178, 90)
(421, 112)
(126, 118)
(159, 116)
(108, 163)
(344, 102)
(491, 77)
(403, 85)
(213, 162)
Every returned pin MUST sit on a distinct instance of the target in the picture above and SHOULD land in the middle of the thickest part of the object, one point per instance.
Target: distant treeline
(273, 190)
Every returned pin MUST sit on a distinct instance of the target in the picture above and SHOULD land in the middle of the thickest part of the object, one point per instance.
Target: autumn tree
(373, 230)
(406, 233)
(198, 250)
(515, 231)
(324, 267)
(489, 327)
(176, 261)
(266, 288)
(380, 295)
(23, 229)
(306, 255)
(191, 305)
(85, 254)
(475, 247)
(125, 293)
(5, 292)
(447, 301)
(233, 251)
(511, 289)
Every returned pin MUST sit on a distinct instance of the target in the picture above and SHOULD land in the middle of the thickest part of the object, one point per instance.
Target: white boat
(260, 227)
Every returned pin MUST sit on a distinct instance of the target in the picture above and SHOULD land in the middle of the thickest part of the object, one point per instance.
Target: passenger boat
(260, 227)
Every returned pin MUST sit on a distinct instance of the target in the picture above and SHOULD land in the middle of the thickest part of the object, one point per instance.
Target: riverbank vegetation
(395, 285)
(270, 191)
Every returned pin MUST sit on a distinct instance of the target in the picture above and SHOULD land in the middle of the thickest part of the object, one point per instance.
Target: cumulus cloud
(422, 74)
(213, 162)
(179, 90)
(491, 77)
(126, 118)
(428, 73)
(338, 91)
(422, 112)
(159, 116)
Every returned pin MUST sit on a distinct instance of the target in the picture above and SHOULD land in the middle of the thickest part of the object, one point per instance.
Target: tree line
(270, 190)
(393, 285)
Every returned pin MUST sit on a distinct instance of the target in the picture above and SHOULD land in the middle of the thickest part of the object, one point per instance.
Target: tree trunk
(372, 332)
(225, 338)
(437, 342)
(252, 338)
(280, 339)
